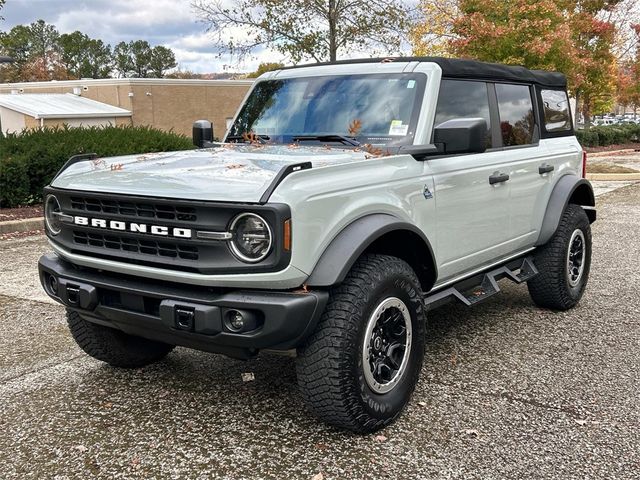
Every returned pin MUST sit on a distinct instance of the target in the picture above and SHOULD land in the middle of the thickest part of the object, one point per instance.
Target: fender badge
(427, 193)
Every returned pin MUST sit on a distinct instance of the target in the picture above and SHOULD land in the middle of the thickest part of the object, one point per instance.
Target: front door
(471, 192)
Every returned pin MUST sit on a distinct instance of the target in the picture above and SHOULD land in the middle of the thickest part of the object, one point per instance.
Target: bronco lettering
(134, 227)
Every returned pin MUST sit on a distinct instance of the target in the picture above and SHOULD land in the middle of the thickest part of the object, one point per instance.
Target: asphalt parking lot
(507, 391)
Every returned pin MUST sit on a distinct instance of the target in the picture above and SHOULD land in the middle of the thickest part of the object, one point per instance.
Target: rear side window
(463, 99)
(515, 107)
(556, 111)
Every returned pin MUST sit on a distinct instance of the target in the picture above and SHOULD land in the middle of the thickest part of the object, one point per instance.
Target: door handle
(498, 177)
(545, 168)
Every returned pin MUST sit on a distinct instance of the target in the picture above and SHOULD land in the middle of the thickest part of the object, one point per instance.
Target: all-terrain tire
(552, 287)
(330, 366)
(114, 347)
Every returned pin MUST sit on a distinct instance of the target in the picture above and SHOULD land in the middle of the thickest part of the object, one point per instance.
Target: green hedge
(29, 160)
(609, 135)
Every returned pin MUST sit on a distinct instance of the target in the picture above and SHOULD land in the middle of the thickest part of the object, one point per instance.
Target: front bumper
(184, 315)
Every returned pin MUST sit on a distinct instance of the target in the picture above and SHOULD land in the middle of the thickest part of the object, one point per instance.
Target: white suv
(346, 200)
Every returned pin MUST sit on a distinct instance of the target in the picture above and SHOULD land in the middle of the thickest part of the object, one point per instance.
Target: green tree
(84, 57)
(138, 59)
(162, 59)
(122, 59)
(264, 68)
(319, 30)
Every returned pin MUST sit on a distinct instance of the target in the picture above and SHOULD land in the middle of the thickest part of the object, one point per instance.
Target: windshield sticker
(397, 128)
(411, 83)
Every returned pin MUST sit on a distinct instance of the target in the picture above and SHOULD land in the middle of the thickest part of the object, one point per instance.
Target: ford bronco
(345, 201)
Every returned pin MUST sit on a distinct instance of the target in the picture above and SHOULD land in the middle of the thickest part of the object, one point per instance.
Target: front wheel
(359, 368)
(114, 347)
(563, 263)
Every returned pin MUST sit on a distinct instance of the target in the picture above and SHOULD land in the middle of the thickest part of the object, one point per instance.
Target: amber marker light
(287, 235)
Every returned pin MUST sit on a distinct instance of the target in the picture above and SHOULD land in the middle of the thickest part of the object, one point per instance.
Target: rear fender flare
(569, 189)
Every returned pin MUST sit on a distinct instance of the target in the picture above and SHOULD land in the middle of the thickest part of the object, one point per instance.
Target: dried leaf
(234, 166)
(375, 151)
(354, 127)
(252, 138)
(115, 167)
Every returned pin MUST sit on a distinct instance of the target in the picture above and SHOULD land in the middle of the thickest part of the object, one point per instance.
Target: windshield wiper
(262, 138)
(328, 138)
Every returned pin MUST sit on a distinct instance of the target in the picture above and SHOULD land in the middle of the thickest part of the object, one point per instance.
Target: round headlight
(51, 215)
(252, 237)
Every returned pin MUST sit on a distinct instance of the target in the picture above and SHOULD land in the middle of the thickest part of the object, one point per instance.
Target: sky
(171, 23)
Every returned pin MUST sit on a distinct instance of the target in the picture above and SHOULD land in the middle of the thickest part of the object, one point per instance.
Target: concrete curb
(613, 177)
(25, 225)
(611, 152)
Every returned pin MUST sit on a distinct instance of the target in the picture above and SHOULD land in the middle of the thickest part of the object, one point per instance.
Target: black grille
(135, 209)
(147, 247)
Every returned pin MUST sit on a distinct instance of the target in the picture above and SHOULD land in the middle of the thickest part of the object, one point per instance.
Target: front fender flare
(562, 194)
(343, 251)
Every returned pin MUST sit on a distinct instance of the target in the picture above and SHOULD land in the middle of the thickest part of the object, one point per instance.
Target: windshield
(371, 109)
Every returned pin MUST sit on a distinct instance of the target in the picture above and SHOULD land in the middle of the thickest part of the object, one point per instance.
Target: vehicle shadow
(207, 384)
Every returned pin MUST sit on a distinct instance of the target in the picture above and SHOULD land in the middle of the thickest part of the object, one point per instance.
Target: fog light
(234, 321)
(53, 285)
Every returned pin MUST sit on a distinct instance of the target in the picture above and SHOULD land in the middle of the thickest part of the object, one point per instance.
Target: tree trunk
(333, 54)
(576, 114)
(586, 112)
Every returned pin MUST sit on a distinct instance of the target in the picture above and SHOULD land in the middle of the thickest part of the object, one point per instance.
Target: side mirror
(203, 133)
(462, 135)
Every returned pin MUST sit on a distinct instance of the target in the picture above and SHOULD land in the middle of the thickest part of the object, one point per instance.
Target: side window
(463, 99)
(515, 107)
(556, 111)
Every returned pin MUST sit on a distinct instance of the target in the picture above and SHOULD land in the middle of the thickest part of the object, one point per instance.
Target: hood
(231, 173)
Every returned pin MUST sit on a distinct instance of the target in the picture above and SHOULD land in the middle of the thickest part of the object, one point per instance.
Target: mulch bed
(611, 148)
(11, 236)
(20, 213)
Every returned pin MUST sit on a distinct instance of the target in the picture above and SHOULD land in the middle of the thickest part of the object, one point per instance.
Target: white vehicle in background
(346, 201)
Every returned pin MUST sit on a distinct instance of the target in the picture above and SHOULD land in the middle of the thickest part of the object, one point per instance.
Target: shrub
(28, 161)
(609, 135)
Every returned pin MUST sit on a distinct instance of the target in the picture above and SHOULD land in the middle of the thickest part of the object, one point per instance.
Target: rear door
(534, 163)
(472, 213)
(530, 166)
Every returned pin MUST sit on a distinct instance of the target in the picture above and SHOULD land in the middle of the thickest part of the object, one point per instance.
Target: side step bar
(480, 287)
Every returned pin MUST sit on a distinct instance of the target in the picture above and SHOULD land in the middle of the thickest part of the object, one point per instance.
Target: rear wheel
(563, 263)
(114, 347)
(358, 369)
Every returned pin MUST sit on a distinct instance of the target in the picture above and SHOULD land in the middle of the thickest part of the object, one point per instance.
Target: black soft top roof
(459, 68)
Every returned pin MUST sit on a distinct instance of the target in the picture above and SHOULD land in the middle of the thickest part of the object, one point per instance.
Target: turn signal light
(287, 235)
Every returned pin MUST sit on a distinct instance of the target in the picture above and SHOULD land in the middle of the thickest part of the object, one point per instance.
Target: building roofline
(30, 110)
(126, 81)
(78, 115)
